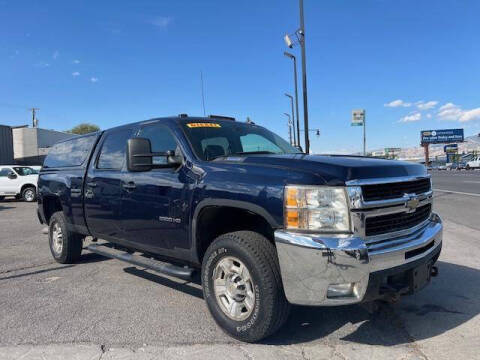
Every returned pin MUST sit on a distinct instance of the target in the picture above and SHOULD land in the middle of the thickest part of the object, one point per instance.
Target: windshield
(213, 139)
(24, 171)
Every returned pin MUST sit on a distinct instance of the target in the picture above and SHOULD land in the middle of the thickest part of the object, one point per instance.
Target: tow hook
(434, 271)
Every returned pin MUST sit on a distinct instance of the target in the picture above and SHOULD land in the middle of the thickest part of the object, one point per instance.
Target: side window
(113, 152)
(72, 152)
(161, 138)
(254, 142)
(4, 172)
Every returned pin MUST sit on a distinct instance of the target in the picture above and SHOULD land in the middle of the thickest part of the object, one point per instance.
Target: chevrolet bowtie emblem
(412, 203)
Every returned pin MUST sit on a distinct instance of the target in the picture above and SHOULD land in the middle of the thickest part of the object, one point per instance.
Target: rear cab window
(70, 153)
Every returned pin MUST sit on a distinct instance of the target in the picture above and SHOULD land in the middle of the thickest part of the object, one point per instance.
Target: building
(27, 146)
(6, 145)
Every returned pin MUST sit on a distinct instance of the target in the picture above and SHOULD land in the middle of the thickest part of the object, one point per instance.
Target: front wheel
(29, 194)
(242, 286)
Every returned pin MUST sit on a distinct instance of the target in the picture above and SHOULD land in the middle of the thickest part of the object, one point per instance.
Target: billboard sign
(358, 117)
(441, 136)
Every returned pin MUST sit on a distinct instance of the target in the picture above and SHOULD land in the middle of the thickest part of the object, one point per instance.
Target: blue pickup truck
(262, 224)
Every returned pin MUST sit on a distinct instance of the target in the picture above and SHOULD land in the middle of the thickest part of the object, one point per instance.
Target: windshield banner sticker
(199, 125)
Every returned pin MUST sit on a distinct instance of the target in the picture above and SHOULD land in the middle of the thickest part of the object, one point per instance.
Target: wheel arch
(213, 217)
(27, 185)
(51, 204)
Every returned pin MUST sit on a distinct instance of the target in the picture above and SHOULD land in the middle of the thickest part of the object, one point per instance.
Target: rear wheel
(65, 246)
(242, 286)
(29, 194)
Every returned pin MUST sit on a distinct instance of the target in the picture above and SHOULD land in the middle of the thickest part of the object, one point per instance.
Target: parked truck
(18, 181)
(262, 224)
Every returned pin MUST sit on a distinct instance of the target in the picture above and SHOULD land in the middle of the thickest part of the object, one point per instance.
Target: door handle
(91, 184)
(129, 186)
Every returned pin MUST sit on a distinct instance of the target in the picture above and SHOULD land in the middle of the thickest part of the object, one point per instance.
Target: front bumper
(311, 264)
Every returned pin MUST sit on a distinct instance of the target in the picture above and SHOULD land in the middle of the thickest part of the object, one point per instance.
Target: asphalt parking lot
(101, 308)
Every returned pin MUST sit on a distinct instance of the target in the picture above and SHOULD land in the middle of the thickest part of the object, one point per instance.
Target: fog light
(340, 290)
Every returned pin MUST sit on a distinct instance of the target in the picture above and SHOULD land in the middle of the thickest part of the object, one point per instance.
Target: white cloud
(415, 116)
(470, 115)
(76, 61)
(429, 116)
(426, 105)
(75, 73)
(449, 111)
(55, 55)
(42, 65)
(93, 79)
(454, 112)
(161, 21)
(397, 103)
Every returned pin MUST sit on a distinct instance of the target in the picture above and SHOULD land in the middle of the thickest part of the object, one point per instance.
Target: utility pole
(293, 57)
(289, 127)
(304, 77)
(293, 120)
(364, 136)
(34, 116)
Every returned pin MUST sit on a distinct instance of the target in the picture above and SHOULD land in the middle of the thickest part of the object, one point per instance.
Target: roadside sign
(452, 148)
(441, 136)
(392, 150)
(358, 117)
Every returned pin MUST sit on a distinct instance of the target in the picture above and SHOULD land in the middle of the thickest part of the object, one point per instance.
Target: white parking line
(456, 192)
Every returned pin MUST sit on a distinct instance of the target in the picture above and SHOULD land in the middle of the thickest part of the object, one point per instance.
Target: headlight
(316, 208)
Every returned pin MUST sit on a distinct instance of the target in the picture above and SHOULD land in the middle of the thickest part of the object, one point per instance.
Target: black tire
(29, 194)
(72, 243)
(1, 198)
(271, 309)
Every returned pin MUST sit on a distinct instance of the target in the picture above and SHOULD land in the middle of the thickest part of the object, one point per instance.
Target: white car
(18, 181)
(473, 164)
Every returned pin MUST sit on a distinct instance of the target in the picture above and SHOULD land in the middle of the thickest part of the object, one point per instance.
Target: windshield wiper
(243, 153)
(253, 152)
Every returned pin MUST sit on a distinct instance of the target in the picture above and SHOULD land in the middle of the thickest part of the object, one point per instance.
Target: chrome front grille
(385, 209)
(375, 192)
(395, 222)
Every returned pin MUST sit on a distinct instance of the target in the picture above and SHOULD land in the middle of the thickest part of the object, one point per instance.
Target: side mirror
(140, 156)
(12, 175)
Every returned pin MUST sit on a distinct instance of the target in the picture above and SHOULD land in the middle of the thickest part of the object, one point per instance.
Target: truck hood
(334, 169)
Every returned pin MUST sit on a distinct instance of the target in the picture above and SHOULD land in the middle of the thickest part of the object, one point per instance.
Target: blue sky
(114, 62)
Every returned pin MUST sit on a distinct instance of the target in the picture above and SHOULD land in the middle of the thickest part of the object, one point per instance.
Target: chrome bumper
(310, 264)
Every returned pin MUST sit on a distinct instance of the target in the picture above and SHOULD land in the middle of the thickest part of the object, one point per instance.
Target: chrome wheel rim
(57, 239)
(29, 195)
(234, 288)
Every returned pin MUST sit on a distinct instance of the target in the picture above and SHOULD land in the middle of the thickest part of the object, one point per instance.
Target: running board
(184, 273)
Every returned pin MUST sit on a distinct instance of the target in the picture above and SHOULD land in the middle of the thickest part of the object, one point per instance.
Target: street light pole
(304, 77)
(297, 125)
(289, 127)
(293, 120)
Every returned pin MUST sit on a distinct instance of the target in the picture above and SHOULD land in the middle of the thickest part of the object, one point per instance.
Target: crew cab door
(156, 206)
(8, 185)
(103, 186)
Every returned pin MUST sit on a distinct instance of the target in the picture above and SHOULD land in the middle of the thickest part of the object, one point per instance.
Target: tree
(84, 128)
